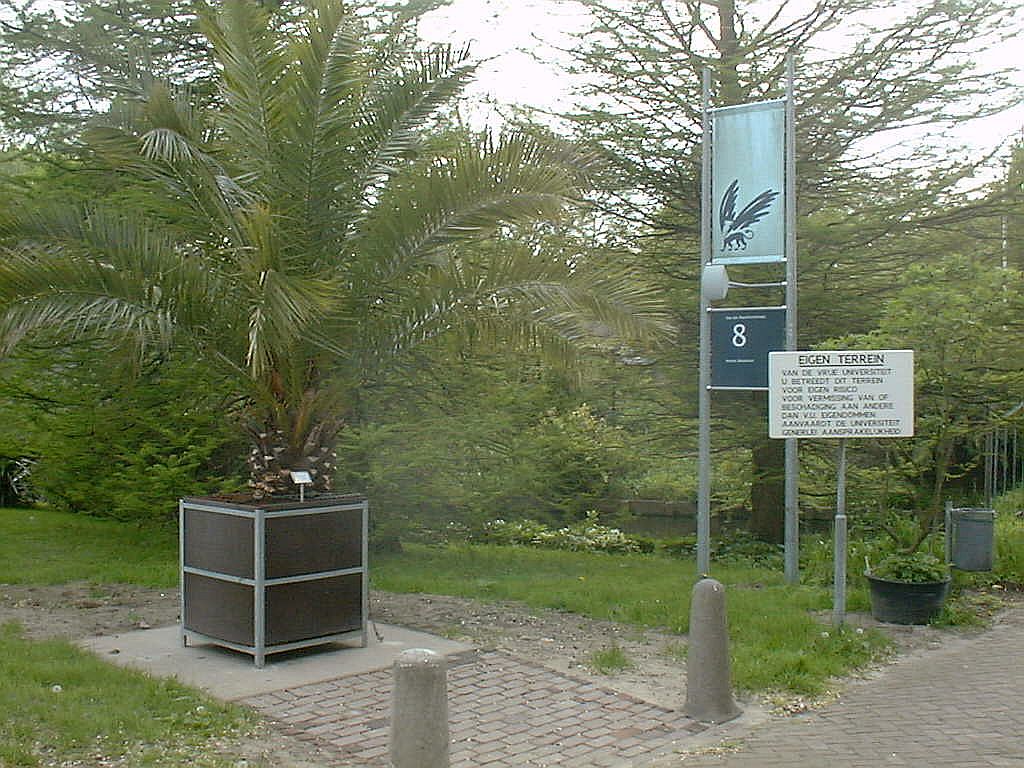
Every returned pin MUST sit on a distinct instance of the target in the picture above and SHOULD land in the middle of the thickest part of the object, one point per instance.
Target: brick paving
(503, 713)
(959, 705)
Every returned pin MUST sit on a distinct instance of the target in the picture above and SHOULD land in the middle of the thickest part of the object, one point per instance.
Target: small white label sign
(856, 393)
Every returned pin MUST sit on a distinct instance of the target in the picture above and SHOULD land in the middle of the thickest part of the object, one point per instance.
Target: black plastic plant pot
(905, 602)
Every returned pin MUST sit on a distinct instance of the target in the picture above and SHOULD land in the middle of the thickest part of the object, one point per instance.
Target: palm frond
(253, 71)
(328, 76)
(519, 296)
(171, 107)
(82, 315)
(162, 141)
(97, 271)
(78, 298)
(281, 304)
(395, 113)
(479, 188)
(166, 145)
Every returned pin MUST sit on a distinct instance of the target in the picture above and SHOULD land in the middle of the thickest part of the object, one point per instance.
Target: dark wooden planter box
(269, 577)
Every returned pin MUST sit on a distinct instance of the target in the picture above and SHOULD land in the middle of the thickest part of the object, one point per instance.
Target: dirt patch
(563, 641)
(654, 661)
(73, 611)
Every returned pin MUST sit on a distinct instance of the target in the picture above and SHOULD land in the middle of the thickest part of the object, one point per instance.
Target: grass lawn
(39, 546)
(776, 641)
(60, 704)
(63, 706)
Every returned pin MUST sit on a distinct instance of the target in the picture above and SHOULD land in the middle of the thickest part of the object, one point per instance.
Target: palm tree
(307, 226)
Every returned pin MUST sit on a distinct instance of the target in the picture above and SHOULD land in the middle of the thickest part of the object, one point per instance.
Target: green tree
(61, 58)
(124, 446)
(308, 229)
(908, 71)
(871, 194)
(480, 435)
(58, 61)
(962, 317)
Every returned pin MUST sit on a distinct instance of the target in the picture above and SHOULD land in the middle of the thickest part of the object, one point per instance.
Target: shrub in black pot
(908, 587)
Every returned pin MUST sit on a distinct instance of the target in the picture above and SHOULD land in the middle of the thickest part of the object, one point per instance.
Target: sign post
(839, 541)
(792, 498)
(843, 394)
(748, 216)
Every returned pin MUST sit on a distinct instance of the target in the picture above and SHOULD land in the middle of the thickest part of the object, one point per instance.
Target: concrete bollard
(708, 677)
(419, 710)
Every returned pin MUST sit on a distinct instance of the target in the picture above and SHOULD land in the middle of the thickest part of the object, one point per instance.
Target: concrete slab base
(230, 675)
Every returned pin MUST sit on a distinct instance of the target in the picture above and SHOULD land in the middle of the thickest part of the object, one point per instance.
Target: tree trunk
(729, 54)
(768, 485)
(274, 456)
(928, 518)
(768, 491)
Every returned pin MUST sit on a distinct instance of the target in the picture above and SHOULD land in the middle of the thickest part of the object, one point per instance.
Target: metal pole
(949, 531)
(792, 521)
(259, 589)
(839, 542)
(841, 478)
(1006, 457)
(704, 394)
(365, 575)
(181, 570)
(839, 577)
(989, 467)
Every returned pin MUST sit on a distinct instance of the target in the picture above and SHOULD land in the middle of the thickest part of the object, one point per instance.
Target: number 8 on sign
(741, 339)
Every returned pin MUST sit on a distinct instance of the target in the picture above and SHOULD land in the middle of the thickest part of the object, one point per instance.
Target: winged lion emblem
(737, 229)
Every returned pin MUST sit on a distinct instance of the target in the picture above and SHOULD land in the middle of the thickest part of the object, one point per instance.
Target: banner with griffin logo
(748, 182)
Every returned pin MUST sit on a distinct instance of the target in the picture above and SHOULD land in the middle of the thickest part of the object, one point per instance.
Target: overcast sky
(507, 29)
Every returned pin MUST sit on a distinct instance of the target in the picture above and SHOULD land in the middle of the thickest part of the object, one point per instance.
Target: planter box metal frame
(274, 576)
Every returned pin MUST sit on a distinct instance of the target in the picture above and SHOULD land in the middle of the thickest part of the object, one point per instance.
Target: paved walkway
(961, 705)
(503, 713)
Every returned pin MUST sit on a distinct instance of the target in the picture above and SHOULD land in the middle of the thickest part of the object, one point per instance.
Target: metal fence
(1004, 462)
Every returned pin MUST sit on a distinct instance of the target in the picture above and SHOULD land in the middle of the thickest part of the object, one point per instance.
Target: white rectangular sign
(857, 393)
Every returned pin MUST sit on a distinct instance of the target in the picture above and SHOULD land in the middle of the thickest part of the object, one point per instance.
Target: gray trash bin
(973, 538)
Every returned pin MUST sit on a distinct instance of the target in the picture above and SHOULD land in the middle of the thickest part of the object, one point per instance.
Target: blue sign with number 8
(740, 342)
